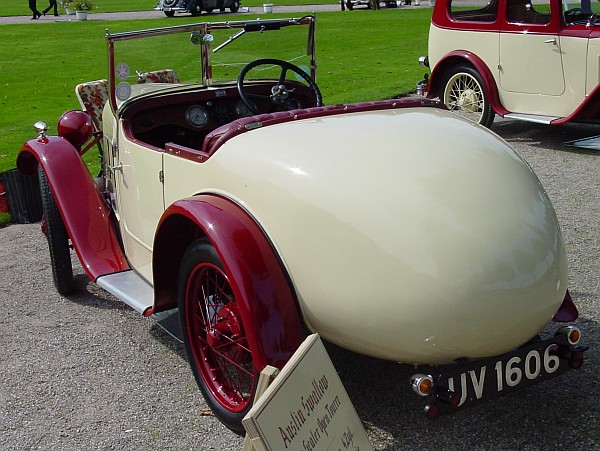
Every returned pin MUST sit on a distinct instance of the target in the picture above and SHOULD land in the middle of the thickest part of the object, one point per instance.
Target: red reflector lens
(576, 360)
(432, 411)
(448, 397)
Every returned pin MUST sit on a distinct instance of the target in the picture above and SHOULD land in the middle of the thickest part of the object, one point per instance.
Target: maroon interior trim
(219, 136)
(186, 152)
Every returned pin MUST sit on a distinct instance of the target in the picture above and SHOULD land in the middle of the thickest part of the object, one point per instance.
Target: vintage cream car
(533, 60)
(249, 213)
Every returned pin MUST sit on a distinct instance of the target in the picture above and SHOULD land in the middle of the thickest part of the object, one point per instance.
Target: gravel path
(89, 373)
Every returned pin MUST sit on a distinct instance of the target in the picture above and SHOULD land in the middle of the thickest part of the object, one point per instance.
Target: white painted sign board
(306, 408)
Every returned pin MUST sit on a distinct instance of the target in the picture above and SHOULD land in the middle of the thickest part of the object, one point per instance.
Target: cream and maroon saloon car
(531, 60)
(392, 228)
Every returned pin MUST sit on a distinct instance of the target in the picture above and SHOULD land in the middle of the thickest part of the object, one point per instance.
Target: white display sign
(306, 408)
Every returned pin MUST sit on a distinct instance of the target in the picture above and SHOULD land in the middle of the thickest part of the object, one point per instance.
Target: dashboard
(187, 117)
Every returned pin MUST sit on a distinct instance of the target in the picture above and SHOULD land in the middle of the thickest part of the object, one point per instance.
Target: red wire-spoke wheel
(214, 335)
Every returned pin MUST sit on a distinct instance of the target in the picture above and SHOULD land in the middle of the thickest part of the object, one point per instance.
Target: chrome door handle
(118, 167)
(550, 41)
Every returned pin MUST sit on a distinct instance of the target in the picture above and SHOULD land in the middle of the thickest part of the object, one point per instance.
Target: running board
(531, 118)
(130, 288)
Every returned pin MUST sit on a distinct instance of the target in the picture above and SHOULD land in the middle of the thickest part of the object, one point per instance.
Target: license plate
(494, 377)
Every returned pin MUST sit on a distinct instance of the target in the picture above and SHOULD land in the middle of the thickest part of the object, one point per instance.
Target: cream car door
(140, 202)
(530, 54)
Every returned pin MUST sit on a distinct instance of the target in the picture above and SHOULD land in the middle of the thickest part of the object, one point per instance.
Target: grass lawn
(20, 8)
(363, 55)
(357, 60)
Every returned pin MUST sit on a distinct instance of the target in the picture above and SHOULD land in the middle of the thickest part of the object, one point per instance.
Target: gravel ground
(87, 372)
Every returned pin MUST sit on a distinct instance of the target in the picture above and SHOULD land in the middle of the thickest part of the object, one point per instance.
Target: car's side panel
(593, 65)
(485, 47)
(537, 53)
(139, 194)
(267, 303)
(588, 111)
(84, 211)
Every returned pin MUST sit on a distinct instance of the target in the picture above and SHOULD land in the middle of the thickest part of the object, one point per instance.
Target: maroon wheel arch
(461, 57)
(268, 310)
(85, 214)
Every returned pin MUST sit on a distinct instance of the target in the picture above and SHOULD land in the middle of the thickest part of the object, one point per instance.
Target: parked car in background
(235, 202)
(195, 7)
(534, 60)
(351, 4)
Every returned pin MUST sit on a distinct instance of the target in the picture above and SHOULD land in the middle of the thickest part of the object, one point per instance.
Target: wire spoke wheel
(465, 95)
(214, 336)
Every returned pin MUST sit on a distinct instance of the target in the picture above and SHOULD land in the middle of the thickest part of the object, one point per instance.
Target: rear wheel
(214, 335)
(234, 8)
(58, 239)
(465, 94)
(169, 13)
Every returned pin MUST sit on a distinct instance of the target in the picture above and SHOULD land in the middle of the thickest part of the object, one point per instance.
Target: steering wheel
(574, 11)
(281, 96)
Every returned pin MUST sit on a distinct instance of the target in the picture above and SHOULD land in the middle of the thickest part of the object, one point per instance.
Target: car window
(464, 10)
(576, 13)
(528, 11)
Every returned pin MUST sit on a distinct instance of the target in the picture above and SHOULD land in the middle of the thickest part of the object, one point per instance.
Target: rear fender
(267, 302)
(438, 76)
(588, 111)
(85, 214)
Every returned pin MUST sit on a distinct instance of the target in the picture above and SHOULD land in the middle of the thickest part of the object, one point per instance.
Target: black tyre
(465, 94)
(214, 336)
(195, 7)
(234, 8)
(209, 10)
(58, 239)
(169, 13)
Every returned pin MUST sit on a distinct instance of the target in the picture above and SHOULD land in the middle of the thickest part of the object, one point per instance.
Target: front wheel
(58, 239)
(195, 7)
(214, 335)
(234, 8)
(465, 94)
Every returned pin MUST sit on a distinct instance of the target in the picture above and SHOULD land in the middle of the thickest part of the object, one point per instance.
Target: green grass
(5, 219)
(20, 8)
(363, 55)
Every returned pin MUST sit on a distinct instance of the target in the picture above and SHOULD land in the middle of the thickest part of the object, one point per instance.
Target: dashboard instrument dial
(196, 116)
